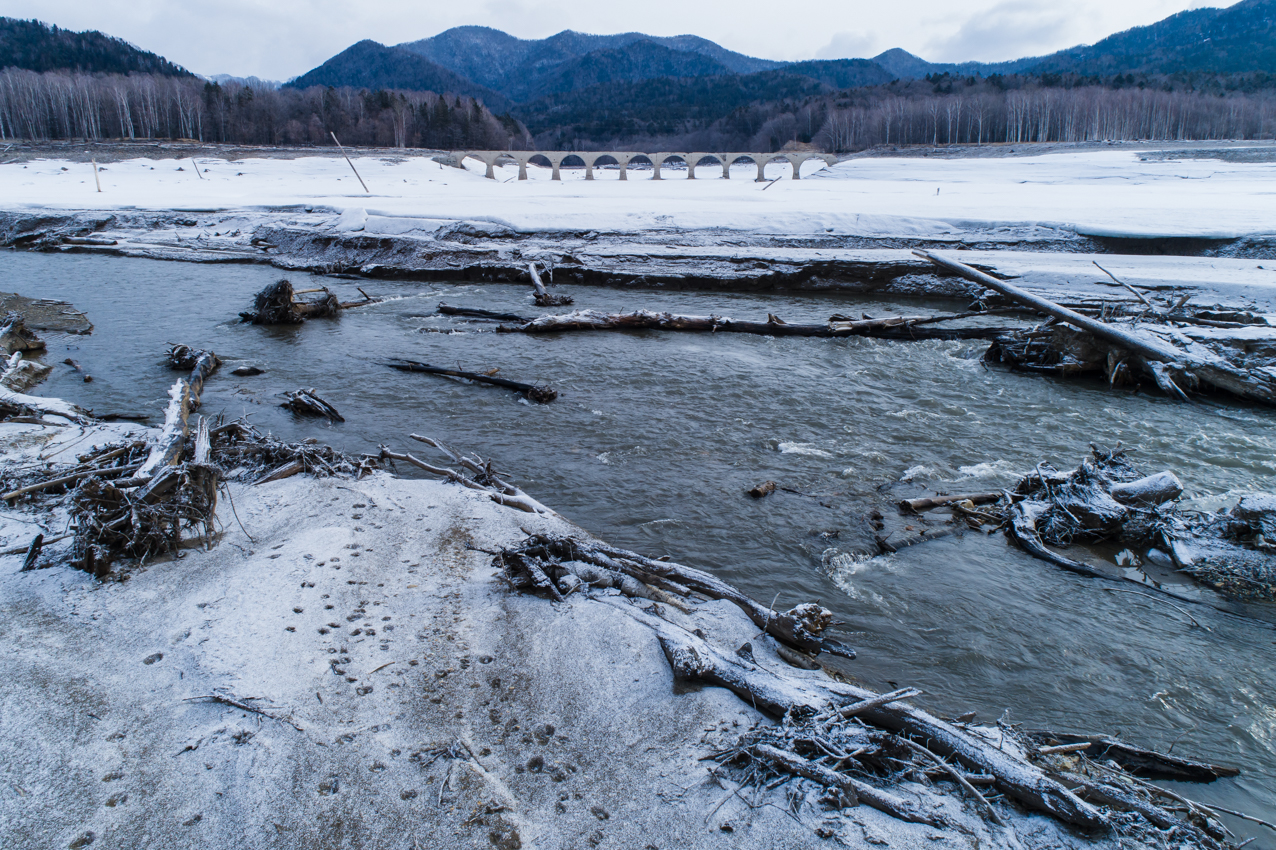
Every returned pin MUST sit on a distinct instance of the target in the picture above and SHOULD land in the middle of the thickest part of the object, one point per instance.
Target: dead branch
(532, 392)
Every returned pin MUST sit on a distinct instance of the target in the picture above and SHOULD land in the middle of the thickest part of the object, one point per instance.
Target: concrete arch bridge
(594, 159)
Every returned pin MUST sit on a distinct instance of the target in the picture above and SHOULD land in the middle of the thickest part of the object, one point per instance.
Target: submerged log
(448, 310)
(308, 403)
(899, 328)
(277, 305)
(1141, 762)
(532, 392)
(928, 502)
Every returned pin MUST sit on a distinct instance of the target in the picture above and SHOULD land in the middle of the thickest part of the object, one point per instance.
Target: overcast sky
(279, 39)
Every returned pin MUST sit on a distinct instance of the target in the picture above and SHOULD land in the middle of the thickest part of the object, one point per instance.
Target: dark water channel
(655, 438)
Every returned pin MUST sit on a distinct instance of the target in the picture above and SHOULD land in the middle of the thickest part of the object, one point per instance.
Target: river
(655, 438)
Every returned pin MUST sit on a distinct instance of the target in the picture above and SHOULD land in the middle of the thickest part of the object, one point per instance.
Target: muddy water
(655, 437)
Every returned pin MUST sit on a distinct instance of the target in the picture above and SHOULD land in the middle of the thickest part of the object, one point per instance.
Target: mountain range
(505, 70)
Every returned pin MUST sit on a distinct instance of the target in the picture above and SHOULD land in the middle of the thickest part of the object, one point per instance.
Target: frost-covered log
(1177, 362)
(903, 328)
(306, 402)
(21, 374)
(183, 399)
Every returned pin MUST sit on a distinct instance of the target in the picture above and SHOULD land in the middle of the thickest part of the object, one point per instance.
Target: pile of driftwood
(278, 304)
(1106, 499)
(474, 472)
(1180, 350)
(138, 499)
(854, 745)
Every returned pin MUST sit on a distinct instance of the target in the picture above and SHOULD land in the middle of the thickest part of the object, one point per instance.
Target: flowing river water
(656, 436)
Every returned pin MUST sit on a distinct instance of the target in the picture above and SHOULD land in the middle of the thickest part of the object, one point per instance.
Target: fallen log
(1136, 760)
(693, 658)
(1174, 367)
(308, 403)
(532, 392)
(800, 627)
(928, 502)
(183, 400)
(905, 328)
(447, 310)
(541, 295)
(484, 480)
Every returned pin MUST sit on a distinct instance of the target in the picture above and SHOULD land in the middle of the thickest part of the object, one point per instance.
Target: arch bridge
(593, 159)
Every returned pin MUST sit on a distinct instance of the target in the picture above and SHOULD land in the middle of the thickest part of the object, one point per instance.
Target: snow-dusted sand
(1039, 218)
(357, 614)
(1105, 193)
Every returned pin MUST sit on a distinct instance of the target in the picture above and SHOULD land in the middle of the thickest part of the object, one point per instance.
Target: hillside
(524, 69)
(34, 46)
(374, 66)
(1237, 40)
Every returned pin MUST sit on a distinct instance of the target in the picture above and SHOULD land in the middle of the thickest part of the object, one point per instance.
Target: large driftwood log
(183, 400)
(448, 310)
(894, 328)
(799, 628)
(306, 402)
(1174, 368)
(695, 659)
(532, 392)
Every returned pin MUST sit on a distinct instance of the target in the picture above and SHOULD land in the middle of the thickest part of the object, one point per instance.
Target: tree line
(58, 105)
(937, 110)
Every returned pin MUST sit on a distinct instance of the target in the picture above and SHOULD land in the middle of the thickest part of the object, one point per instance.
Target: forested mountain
(1237, 40)
(507, 64)
(34, 46)
(374, 66)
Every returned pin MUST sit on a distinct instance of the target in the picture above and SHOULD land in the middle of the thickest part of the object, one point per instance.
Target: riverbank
(403, 696)
(1183, 221)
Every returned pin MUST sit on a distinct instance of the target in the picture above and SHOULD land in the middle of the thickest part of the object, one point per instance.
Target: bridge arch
(597, 161)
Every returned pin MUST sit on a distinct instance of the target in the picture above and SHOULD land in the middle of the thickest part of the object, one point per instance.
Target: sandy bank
(415, 701)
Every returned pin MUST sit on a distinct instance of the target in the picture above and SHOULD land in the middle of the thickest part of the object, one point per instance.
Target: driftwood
(1175, 362)
(896, 328)
(183, 400)
(447, 310)
(308, 403)
(75, 364)
(1136, 760)
(693, 658)
(541, 295)
(925, 504)
(532, 392)
(764, 489)
(15, 336)
(481, 476)
(21, 374)
(277, 305)
(20, 404)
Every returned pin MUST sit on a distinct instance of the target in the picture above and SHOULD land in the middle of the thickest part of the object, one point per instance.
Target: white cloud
(1009, 30)
(848, 45)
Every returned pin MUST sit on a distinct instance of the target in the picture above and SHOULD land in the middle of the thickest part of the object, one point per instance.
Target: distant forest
(151, 106)
(936, 111)
(941, 109)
